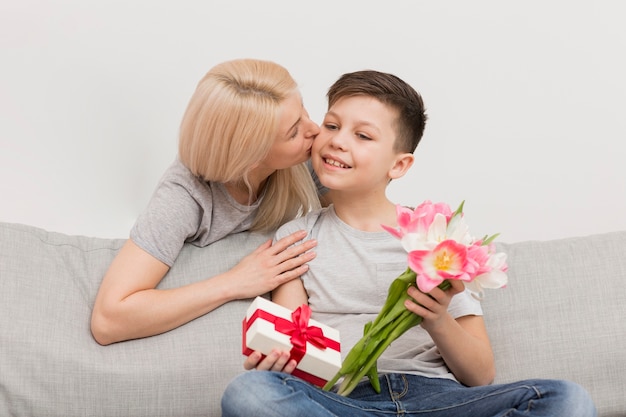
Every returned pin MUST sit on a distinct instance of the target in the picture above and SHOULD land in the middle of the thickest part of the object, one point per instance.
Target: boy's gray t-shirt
(186, 209)
(347, 285)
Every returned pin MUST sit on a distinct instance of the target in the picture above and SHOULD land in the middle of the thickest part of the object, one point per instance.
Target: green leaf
(372, 375)
(459, 210)
(488, 240)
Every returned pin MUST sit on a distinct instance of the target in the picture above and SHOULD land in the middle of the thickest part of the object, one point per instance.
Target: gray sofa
(563, 315)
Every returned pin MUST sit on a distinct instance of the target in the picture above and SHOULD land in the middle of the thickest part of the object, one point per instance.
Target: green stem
(392, 321)
(404, 324)
(370, 347)
(396, 290)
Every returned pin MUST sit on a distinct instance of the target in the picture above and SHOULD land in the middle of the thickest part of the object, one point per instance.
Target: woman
(244, 139)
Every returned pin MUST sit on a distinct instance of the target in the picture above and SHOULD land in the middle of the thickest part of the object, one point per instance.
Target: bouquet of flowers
(440, 249)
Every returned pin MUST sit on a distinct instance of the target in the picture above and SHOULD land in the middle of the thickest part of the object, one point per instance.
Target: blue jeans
(275, 394)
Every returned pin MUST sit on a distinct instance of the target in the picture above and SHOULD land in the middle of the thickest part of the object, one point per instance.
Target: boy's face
(355, 147)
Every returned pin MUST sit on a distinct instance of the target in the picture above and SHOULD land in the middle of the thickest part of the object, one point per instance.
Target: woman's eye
(295, 133)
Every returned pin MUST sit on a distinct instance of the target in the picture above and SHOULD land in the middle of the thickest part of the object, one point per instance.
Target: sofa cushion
(563, 315)
(51, 366)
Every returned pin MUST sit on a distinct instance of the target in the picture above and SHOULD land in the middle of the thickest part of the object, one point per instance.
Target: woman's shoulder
(177, 172)
(179, 182)
(179, 192)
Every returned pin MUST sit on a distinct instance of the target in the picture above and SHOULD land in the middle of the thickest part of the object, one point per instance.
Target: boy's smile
(334, 162)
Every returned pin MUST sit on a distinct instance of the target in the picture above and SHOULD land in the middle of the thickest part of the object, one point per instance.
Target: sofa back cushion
(51, 366)
(563, 315)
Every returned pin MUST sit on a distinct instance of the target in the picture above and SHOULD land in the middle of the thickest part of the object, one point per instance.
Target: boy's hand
(433, 307)
(276, 361)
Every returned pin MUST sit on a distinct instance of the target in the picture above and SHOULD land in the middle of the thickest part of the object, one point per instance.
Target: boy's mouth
(335, 163)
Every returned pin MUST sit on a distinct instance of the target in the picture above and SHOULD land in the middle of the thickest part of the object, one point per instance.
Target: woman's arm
(463, 343)
(128, 305)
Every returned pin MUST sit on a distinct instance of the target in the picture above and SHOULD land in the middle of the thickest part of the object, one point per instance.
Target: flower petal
(395, 232)
(492, 280)
(437, 229)
(426, 284)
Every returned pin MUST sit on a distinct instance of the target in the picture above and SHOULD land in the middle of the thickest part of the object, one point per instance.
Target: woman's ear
(401, 165)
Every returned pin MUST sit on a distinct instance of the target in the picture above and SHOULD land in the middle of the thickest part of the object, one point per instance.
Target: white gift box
(268, 325)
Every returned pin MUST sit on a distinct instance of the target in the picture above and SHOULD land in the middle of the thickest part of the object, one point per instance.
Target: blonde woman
(244, 140)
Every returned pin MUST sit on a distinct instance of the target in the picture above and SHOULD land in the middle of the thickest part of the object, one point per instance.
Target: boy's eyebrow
(358, 122)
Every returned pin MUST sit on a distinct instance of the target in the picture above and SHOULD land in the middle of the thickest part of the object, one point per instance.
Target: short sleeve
(171, 217)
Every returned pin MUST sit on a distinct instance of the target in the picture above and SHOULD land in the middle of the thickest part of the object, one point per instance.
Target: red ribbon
(298, 329)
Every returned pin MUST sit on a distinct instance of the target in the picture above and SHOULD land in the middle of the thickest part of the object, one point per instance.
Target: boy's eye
(330, 126)
(362, 136)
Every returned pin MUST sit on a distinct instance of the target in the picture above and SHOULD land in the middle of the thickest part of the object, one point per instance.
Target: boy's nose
(338, 140)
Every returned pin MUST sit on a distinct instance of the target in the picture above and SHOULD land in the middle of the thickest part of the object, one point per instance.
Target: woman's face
(296, 132)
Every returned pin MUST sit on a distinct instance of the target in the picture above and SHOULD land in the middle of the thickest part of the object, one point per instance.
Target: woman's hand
(272, 265)
(276, 361)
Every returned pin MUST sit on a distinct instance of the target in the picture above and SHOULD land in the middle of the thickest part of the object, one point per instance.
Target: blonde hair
(230, 125)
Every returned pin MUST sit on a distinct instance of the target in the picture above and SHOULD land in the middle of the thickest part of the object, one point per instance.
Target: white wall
(527, 100)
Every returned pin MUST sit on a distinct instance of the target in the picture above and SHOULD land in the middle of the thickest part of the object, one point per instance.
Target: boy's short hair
(389, 90)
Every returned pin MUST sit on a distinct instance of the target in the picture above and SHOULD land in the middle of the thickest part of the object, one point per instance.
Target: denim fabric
(274, 394)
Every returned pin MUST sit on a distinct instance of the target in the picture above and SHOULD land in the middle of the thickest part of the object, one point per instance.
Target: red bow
(300, 331)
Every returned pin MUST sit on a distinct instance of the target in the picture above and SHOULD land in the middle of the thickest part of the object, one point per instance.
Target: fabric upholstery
(561, 316)
(51, 366)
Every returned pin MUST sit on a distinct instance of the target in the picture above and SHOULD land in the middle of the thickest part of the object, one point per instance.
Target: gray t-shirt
(347, 285)
(185, 209)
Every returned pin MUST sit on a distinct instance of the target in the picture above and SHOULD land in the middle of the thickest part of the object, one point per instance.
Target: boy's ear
(401, 166)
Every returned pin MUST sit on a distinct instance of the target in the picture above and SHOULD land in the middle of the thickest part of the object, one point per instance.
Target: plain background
(527, 101)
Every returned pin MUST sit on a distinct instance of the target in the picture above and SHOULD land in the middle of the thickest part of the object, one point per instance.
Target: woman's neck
(244, 194)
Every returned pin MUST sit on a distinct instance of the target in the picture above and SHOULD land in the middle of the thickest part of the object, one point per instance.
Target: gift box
(313, 345)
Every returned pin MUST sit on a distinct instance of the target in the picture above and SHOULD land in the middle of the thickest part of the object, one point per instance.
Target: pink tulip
(418, 220)
(447, 261)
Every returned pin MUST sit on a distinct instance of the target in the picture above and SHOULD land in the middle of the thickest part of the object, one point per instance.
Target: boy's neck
(366, 214)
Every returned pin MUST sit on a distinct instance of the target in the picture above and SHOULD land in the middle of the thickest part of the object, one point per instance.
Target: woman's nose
(312, 129)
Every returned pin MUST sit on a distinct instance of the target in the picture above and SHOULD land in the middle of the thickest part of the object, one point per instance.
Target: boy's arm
(467, 351)
(462, 342)
(290, 294)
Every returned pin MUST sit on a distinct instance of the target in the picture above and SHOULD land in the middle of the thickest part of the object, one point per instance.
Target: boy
(374, 123)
